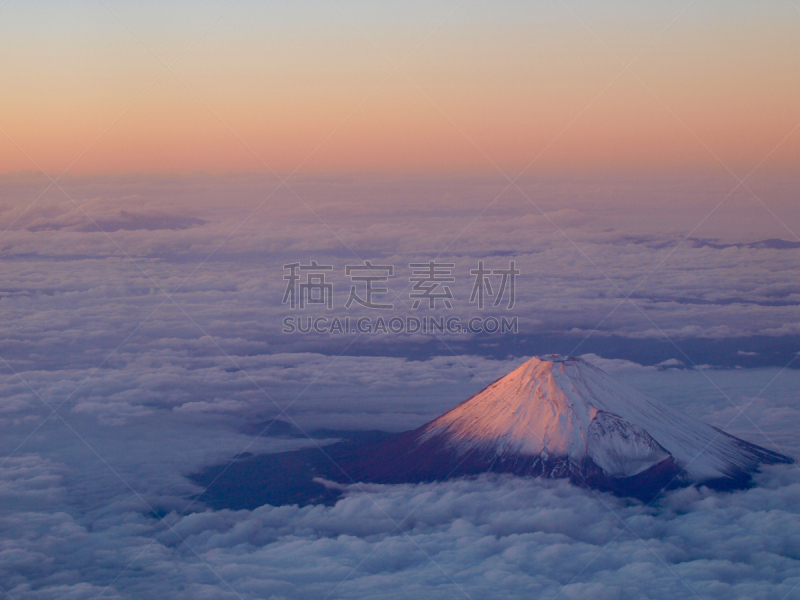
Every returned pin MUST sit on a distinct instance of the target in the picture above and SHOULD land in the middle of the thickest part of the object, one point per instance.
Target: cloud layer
(492, 537)
(157, 338)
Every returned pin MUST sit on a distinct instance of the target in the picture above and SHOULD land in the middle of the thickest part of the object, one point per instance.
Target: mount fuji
(554, 417)
(562, 417)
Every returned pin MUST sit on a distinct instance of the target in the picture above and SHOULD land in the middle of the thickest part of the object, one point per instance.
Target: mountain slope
(562, 417)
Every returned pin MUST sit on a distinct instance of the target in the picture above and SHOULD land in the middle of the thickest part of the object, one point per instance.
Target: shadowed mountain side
(376, 457)
(285, 477)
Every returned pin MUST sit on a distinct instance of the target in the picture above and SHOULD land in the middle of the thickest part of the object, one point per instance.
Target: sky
(424, 87)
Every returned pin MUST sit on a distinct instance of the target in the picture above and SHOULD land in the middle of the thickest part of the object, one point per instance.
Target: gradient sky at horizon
(482, 87)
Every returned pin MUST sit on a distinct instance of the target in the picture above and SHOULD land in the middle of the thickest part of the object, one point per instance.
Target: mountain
(559, 417)
(553, 416)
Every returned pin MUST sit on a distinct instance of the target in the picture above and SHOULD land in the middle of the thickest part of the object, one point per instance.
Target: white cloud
(671, 363)
(613, 365)
(490, 537)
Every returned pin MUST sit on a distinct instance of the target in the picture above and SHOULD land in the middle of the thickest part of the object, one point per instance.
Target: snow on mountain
(556, 406)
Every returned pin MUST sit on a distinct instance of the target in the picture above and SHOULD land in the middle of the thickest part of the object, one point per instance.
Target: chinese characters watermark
(430, 288)
(483, 285)
(315, 289)
(368, 278)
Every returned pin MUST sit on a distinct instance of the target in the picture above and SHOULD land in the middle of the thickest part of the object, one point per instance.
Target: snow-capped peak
(557, 406)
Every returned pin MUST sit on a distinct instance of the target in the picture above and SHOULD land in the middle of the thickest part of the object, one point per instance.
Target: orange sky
(316, 89)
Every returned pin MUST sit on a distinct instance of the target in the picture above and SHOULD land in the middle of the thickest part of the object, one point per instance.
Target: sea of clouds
(141, 335)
